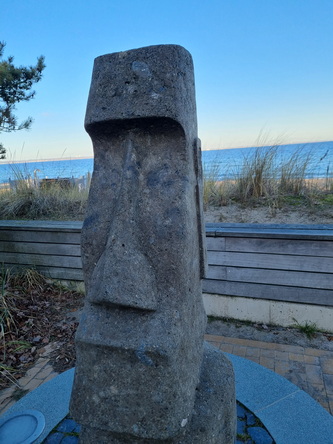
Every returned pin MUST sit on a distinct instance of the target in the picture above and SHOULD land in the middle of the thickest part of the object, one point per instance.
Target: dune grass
(29, 199)
(264, 178)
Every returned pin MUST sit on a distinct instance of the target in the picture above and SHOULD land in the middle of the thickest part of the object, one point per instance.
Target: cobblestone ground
(250, 430)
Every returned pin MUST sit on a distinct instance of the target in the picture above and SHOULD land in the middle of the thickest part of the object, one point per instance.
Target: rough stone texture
(140, 338)
(213, 416)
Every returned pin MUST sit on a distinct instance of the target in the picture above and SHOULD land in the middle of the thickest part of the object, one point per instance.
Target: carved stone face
(148, 185)
(143, 320)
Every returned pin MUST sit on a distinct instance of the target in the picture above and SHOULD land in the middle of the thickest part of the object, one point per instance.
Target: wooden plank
(273, 261)
(323, 232)
(270, 292)
(268, 227)
(274, 277)
(278, 234)
(41, 225)
(39, 248)
(43, 260)
(67, 274)
(215, 243)
(217, 272)
(279, 246)
(36, 236)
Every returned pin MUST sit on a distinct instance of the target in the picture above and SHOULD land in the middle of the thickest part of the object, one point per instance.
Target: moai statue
(143, 374)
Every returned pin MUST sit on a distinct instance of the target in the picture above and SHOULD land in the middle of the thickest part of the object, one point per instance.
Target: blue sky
(261, 66)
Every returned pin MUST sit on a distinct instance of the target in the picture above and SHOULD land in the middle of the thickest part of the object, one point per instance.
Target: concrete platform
(289, 414)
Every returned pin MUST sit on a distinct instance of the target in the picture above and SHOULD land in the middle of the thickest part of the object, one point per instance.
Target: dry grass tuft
(267, 178)
(34, 202)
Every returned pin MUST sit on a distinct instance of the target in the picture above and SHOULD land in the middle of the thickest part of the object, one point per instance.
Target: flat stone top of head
(150, 82)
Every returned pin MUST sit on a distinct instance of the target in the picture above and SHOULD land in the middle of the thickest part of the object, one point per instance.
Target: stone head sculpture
(140, 339)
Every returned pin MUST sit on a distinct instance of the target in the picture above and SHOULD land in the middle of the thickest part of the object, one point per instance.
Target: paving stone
(227, 340)
(279, 347)
(6, 393)
(51, 376)
(327, 365)
(282, 368)
(298, 379)
(67, 426)
(32, 372)
(330, 403)
(77, 428)
(267, 353)
(259, 435)
(297, 367)
(33, 384)
(314, 352)
(241, 427)
(22, 382)
(317, 391)
(294, 349)
(7, 405)
(252, 343)
(239, 350)
(314, 374)
(214, 338)
(250, 419)
(55, 438)
(45, 351)
(42, 362)
(296, 357)
(267, 362)
(252, 351)
(70, 440)
(328, 380)
(311, 359)
(253, 358)
(227, 348)
(241, 412)
(281, 355)
(269, 346)
(45, 372)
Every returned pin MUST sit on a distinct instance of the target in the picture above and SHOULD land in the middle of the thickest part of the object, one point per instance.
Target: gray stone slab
(51, 399)
(298, 418)
(258, 387)
(290, 414)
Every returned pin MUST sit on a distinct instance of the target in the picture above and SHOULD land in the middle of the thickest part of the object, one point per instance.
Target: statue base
(214, 414)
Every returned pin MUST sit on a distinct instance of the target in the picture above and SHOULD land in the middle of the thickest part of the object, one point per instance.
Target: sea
(223, 163)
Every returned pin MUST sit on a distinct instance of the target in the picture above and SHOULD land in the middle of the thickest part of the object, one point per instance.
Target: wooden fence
(291, 263)
(51, 247)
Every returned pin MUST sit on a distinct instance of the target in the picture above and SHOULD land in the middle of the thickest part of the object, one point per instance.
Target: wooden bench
(291, 263)
(51, 247)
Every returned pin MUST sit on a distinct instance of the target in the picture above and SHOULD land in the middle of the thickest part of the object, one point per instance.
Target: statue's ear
(199, 206)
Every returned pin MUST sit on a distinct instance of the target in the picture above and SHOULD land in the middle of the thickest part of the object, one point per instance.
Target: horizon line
(59, 159)
(52, 159)
(270, 144)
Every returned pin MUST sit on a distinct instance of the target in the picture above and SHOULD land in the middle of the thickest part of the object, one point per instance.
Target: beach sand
(236, 213)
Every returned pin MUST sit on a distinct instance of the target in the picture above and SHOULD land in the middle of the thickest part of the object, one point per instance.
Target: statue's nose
(109, 286)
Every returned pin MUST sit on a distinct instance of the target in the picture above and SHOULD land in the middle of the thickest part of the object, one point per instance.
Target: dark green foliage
(15, 87)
